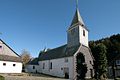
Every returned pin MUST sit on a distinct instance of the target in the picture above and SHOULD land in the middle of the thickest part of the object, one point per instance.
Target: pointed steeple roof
(77, 18)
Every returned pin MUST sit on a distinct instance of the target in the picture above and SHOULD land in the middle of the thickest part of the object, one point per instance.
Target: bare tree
(25, 56)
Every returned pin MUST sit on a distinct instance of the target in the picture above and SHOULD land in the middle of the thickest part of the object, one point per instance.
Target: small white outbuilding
(32, 66)
(10, 61)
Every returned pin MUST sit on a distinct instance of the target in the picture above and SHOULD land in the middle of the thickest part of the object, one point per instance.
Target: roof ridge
(57, 47)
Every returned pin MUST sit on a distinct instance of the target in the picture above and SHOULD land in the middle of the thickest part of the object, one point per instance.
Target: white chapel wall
(83, 39)
(58, 66)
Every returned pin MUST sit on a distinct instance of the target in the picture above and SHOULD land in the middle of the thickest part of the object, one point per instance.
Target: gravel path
(40, 77)
(24, 77)
(29, 78)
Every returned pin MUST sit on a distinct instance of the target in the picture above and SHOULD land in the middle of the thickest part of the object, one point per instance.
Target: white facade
(83, 38)
(10, 62)
(77, 35)
(59, 67)
(10, 67)
(32, 68)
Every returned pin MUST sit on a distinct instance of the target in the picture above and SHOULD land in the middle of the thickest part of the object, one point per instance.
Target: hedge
(2, 78)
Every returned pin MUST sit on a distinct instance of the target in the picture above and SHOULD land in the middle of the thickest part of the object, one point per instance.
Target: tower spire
(77, 19)
(77, 4)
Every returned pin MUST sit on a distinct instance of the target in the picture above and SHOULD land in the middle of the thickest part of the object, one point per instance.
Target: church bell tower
(77, 33)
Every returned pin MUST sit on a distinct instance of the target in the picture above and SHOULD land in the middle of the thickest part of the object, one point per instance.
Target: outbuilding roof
(10, 58)
(33, 62)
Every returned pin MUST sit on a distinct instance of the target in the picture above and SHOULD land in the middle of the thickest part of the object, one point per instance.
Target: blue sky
(35, 24)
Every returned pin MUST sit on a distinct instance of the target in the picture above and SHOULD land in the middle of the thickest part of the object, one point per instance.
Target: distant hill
(113, 46)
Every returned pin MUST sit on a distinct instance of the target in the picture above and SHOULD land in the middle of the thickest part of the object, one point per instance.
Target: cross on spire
(76, 3)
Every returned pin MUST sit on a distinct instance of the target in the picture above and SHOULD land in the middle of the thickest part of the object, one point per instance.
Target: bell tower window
(83, 32)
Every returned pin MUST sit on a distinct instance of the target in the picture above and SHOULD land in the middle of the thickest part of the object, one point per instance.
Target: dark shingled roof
(77, 20)
(33, 62)
(10, 58)
(59, 52)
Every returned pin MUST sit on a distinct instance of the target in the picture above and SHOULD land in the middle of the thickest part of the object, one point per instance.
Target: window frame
(14, 65)
(43, 65)
(117, 62)
(84, 33)
(33, 67)
(66, 60)
(51, 65)
(4, 64)
(1, 47)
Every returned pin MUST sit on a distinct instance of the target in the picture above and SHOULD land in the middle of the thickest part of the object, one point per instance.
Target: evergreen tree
(81, 67)
(101, 61)
(112, 44)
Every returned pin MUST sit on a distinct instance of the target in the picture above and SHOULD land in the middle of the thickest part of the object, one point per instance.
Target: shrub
(117, 78)
(2, 78)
